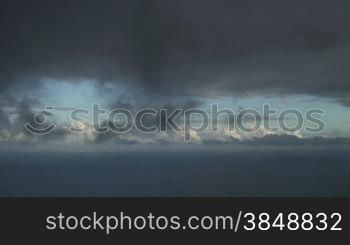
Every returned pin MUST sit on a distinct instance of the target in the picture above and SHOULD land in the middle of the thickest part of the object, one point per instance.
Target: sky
(173, 54)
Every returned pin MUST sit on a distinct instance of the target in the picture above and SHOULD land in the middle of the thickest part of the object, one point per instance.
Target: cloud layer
(181, 47)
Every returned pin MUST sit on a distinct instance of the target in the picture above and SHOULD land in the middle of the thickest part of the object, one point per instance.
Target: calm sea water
(246, 173)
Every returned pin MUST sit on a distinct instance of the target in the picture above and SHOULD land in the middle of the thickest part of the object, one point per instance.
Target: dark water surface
(246, 173)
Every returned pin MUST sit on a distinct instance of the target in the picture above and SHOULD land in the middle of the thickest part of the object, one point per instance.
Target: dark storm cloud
(7, 100)
(181, 47)
(159, 120)
(4, 121)
(25, 114)
(345, 100)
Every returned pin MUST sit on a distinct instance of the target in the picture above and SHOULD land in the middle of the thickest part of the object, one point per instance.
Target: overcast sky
(72, 54)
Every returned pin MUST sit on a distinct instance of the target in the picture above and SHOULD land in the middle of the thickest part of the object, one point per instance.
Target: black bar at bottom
(188, 219)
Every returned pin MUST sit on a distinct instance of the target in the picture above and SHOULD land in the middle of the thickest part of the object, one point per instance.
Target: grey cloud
(148, 120)
(4, 121)
(25, 114)
(294, 140)
(181, 47)
(345, 100)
